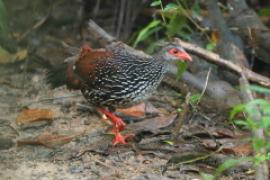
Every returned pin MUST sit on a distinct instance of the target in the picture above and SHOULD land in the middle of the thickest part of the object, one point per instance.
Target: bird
(117, 76)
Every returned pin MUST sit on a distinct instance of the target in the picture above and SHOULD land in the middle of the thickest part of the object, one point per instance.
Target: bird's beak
(183, 55)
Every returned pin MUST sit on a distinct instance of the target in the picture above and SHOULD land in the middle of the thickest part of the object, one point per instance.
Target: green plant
(174, 21)
(249, 111)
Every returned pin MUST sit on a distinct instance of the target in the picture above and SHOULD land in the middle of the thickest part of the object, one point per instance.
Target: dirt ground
(88, 152)
(69, 161)
(75, 143)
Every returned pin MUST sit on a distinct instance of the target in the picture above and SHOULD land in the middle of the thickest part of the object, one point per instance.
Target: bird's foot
(118, 123)
(121, 139)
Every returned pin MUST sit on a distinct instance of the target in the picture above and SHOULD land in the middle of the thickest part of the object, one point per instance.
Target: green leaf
(266, 109)
(258, 143)
(265, 122)
(196, 9)
(259, 158)
(210, 46)
(181, 68)
(260, 102)
(259, 89)
(207, 176)
(241, 123)
(236, 109)
(264, 11)
(179, 110)
(194, 98)
(155, 3)
(147, 31)
(251, 123)
(229, 164)
(175, 25)
(169, 142)
(170, 6)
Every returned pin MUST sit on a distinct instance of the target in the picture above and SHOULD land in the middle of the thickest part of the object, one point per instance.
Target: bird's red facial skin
(180, 54)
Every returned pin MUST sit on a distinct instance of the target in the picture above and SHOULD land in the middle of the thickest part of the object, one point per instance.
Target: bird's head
(173, 52)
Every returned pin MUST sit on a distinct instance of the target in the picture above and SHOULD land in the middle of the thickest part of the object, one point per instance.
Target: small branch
(262, 171)
(205, 85)
(99, 34)
(181, 117)
(216, 59)
(104, 38)
(37, 25)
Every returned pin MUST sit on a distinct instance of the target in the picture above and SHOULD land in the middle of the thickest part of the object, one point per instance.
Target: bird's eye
(175, 51)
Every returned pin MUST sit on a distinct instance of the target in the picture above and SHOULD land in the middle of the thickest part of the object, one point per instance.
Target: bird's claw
(120, 139)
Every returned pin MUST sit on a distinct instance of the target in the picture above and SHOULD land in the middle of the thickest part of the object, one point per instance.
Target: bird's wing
(89, 63)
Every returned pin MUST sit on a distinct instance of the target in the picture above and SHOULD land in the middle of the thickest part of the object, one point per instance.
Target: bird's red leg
(118, 125)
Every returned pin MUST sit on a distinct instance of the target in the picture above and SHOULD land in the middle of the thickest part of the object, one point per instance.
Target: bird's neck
(161, 61)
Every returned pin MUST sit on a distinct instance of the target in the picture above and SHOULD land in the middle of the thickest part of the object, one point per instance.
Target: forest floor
(54, 134)
(74, 143)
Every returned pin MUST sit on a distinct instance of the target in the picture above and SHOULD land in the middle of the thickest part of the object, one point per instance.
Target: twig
(262, 171)
(35, 26)
(104, 38)
(181, 117)
(198, 157)
(205, 85)
(216, 59)
(99, 34)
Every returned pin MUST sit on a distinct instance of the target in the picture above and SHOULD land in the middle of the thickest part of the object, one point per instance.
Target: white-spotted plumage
(125, 78)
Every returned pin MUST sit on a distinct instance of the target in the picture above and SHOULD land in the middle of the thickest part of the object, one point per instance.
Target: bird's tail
(64, 75)
(57, 76)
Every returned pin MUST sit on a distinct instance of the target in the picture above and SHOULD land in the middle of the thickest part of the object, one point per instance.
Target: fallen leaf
(209, 144)
(139, 110)
(34, 117)
(136, 111)
(238, 149)
(229, 146)
(215, 36)
(20, 55)
(7, 57)
(152, 123)
(218, 132)
(46, 139)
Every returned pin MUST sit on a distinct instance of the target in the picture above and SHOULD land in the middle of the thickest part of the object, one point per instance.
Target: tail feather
(57, 76)
(64, 75)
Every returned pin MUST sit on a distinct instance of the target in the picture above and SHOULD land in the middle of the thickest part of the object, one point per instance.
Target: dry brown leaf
(46, 139)
(152, 123)
(34, 117)
(20, 55)
(215, 37)
(6, 57)
(229, 146)
(139, 110)
(136, 111)
(209, 144)
(219, 132)
(238, 149)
